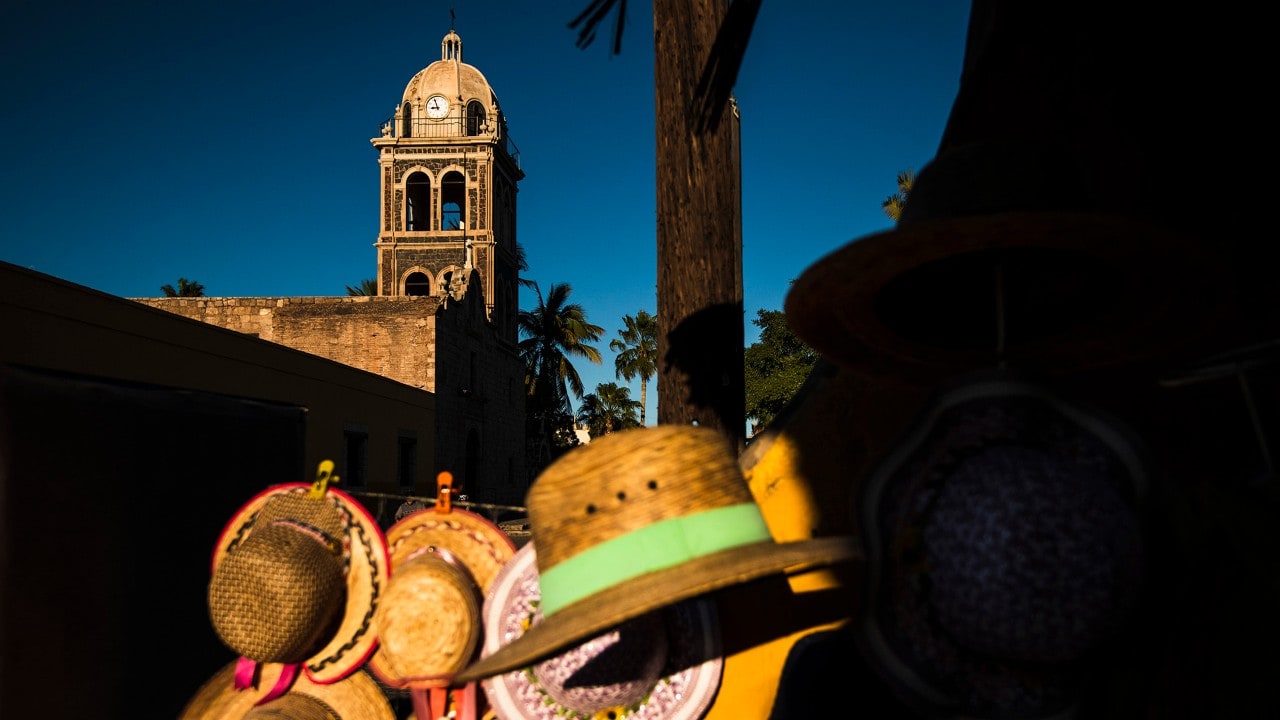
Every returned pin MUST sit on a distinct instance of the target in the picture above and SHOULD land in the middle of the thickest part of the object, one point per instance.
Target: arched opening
(406, 120)
(417, 202)
(417, 284)
(453, 190)
(475, 117)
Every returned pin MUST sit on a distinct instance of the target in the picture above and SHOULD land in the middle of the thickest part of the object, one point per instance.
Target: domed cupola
(448, 98)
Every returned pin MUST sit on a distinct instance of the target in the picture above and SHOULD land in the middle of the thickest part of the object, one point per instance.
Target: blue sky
(228, 142)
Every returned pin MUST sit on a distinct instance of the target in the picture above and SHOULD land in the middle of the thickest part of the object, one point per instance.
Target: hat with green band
(638, 520)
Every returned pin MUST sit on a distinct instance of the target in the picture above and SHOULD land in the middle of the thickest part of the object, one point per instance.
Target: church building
(444, 317)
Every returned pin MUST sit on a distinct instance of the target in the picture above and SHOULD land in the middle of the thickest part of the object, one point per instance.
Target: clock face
(437, 106)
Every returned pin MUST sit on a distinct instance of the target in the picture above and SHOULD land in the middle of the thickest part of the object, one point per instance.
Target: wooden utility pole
(699, 198)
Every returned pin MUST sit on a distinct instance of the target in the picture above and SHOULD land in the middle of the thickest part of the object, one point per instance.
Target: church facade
(444, 317)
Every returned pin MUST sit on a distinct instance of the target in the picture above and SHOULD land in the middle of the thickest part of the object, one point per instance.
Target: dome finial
(451, 47)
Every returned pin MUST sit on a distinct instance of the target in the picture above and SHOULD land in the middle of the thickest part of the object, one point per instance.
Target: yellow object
(804, 471)
(324, 476)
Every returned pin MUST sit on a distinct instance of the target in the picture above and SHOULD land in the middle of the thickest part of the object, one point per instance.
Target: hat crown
(629, 480)
(277, 595)
(428, 622)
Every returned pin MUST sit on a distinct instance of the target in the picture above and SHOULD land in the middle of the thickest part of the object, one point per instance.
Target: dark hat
(1004, 255)
(1004, 551)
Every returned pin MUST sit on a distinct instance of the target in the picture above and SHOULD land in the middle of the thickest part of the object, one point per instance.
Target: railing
(448, 128)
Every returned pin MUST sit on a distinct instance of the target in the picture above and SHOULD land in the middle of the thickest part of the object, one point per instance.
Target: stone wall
(390, 336)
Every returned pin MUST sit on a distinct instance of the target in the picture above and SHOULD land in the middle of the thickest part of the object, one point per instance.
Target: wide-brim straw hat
(612, 675)
(638, 520)
(1002, 255)
(428, 622)
(347, 642)
(1004, 551)
(355, 697)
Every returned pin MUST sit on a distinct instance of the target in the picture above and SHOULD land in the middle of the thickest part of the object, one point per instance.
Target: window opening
(356, 460)
(475, 117)
(407, 464)
(418, 202)
(406, 120)
(417, 284)
(452, 199)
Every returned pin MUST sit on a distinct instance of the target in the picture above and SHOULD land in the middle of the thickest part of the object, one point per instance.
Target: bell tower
(449, 174)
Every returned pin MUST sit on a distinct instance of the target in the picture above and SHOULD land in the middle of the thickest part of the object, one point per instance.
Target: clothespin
(444, 492)
(324, 476)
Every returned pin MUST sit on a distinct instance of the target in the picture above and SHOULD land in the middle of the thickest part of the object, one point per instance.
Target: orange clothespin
(324, 476)
(444, 492)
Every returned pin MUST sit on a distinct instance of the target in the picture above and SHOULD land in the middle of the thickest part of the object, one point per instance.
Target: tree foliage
(554, 331)
(775, 367)
(637, 348)
(368, 286)
(894, 204)
(186, 288)
(609, 408)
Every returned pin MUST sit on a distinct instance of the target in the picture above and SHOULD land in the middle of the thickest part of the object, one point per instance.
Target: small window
(407, 463)
(356, 460)
(406, 120)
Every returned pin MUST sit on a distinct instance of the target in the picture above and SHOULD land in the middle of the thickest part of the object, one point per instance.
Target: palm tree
(893, 204)
(368, 286)
(637, 348)
(553, 331)
(186, 288)
(609, 408)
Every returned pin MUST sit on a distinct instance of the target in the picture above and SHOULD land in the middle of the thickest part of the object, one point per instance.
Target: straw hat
(1002, 254)
(638, 520)
(663, 664)
(428, 622)
(297, 580)
(1004, 551)
(355, 697)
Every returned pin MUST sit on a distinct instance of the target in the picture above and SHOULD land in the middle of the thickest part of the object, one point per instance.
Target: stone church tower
(444, 318)
(449, 172)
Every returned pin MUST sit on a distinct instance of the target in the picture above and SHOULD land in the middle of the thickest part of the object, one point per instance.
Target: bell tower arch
(449, 177)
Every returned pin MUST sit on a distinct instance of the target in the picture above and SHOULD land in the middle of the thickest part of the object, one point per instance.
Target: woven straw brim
(482, 547)
(1083, 291)
(624, 601)
(428, 624)
(366, 575)
(355, 697)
